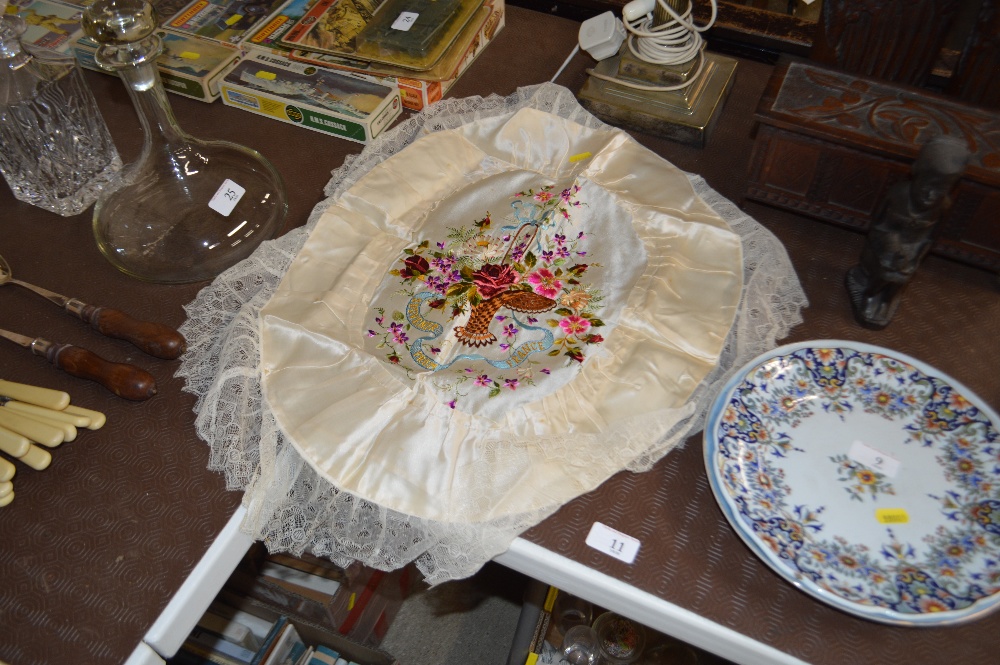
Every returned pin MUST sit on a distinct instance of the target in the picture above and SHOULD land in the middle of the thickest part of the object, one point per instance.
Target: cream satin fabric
(670, 268)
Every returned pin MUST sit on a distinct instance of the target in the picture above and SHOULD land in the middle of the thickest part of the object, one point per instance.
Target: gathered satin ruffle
(668, 268)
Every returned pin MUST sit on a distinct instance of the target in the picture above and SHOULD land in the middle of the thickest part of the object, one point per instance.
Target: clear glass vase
(55, 149)
(187, 208)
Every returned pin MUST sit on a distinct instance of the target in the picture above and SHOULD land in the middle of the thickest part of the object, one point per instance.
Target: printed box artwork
(421, 89)
(222, 20)
(194, 67)
(50, 25)
(164, 8)
(268, 34)
(188, 66)
(417, 90)
(332, 26)
(316, 98)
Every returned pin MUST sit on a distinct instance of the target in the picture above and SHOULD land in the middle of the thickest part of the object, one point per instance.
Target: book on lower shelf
(234, 621)
(245, 630)
(201, 640)
(357, 602)
(284, 646)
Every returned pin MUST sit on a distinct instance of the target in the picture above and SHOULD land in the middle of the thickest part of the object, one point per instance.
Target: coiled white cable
(674, 42)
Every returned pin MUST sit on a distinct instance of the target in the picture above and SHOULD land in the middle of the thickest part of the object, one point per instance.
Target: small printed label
(579, 158)
(234, 19)
(241, 99)
(190, 55)
(270, 76)
(615, 543)
(874, 459)
(405, 21)
(226, 198)
(892, 516)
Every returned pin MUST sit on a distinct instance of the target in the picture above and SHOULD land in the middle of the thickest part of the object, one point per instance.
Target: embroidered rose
(545, 283)
(479, 262)
(415, 266)
(494, 279)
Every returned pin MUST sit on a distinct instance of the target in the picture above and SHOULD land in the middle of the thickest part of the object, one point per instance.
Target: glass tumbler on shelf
(188, 208)
(569, 611)
(620, 640)
(55, 149)
(579, 646)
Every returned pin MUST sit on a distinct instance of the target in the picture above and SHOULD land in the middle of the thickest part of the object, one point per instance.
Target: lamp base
(686, 116)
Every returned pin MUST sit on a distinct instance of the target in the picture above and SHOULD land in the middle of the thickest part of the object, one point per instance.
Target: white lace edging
(290, 507)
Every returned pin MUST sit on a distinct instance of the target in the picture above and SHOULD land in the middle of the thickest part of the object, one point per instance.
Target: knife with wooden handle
(155, 339)
(127, 381)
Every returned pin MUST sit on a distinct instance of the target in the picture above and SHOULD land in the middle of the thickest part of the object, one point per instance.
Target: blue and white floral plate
(866, 478)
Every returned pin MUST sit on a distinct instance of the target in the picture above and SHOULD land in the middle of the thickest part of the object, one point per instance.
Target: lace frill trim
(292, 509)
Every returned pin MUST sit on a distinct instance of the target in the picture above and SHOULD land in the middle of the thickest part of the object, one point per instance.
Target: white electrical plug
(636, 9)
(602, 35)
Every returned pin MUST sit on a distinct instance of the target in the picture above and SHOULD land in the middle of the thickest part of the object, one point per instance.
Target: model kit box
(266, 37)
(417, 89)
(313, 97)
(332, 26)
(421, 89)
(50, 25)
(188, 66)
(164, 8)
(222, 20)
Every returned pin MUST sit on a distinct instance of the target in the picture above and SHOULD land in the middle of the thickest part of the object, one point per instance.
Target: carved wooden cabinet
(830, 144)
(894, 40)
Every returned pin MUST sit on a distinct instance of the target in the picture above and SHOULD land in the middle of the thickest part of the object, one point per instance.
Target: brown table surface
(92, 549)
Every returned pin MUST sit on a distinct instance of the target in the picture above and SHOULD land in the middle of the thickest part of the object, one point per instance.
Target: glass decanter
(187, 209)
(55, 149)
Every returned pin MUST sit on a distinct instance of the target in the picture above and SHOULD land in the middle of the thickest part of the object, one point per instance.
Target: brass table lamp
(661, 81)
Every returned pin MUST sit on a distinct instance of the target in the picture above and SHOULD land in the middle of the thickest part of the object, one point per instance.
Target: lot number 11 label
(614, 543)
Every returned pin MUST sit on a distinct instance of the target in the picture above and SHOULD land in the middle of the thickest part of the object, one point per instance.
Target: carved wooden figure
(902, 231)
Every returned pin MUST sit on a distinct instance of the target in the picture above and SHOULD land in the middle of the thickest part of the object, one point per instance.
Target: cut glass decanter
(188, 208)
(55, 149)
